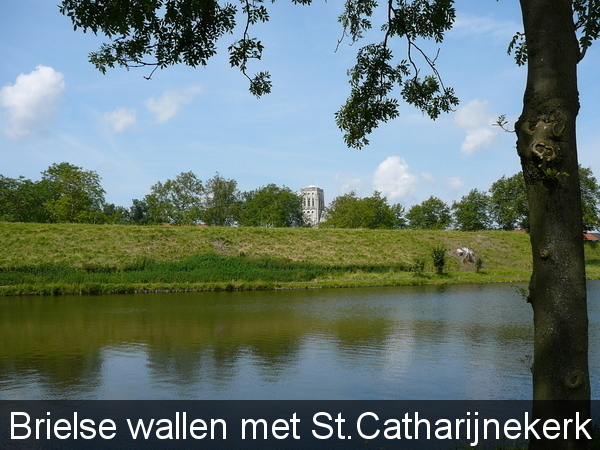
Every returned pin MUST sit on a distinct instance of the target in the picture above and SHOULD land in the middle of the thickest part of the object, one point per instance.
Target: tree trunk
(546, 144)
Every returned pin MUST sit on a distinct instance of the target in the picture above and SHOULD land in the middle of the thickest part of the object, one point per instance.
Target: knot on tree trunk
(574, 379)
(541, 141)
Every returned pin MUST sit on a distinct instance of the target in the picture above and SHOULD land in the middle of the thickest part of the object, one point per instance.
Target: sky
(56, 107)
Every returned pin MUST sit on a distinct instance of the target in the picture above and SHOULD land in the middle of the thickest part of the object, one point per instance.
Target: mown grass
(76, 258)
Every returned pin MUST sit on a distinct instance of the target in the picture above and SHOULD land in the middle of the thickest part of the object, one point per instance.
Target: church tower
(313, 204)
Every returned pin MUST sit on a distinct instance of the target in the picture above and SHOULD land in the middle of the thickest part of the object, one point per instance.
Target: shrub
(438, 255)
(418, 266)
(478, 264)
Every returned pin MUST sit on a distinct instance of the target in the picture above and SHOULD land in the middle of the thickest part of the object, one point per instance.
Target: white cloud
(167, 106)
(477, 139)
(477, 122)
(473, 115)
(348, 184)
(108, 167)
(454, 183)
(427, 177)
(484, 25)
(393, 178)
(121, 119)
(32, 102)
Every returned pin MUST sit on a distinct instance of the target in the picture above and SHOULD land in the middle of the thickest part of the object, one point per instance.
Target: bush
(438, 255)
(418, 266)
(478, 264)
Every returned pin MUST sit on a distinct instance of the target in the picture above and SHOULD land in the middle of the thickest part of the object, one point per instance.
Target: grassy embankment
(68, 258)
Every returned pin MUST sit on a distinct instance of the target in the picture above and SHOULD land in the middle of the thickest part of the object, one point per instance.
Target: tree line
(68, 194)
(504, 206)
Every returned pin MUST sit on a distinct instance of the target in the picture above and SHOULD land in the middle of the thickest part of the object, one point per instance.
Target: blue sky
(55, 106)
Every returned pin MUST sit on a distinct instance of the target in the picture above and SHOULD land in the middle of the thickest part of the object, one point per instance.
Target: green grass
(73, 258)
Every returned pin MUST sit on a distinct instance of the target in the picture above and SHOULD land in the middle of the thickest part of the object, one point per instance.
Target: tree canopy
(472, 212)
(350, 211)
(509, 207)
(221, 201)
(272, 206)
(177, 201)
(23, 200)
(76, 195)
(431, 214)
(590, 199)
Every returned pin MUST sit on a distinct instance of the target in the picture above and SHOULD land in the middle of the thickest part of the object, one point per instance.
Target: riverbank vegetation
(51, 259)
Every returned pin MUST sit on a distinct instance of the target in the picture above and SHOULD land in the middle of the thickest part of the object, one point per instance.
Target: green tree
(472, 212)
(138, 212)
(431, 214)
(114, 214)
(75, 194)
(344, 212)
(590, 199)
(349, 211)
(222, 201)
(177, 201)
(271, 206)
(510, 208)
(508, 202)
(383, 214)
(31, 199)
(557, 34)
(8, 194)
(22, 200)
(399, 214)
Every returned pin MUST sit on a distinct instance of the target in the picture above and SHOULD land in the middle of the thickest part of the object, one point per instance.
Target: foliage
(375, 75)
(508, 202)
(184, 200)
(471, 213)
(177, 201)
(349, 211)
(75, 194)
(510, 210)
(160, 33)
(399, 214)
(590, 199)
(438, 256)
(587, 25)
(418, 266)
(205, 268)
(271, 206)
(114, 214)
(431, 214)
(221, 201)
(478, 264)
(22, 200)
(138, 212)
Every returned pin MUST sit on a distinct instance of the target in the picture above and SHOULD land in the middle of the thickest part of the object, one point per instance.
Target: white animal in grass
(466, 254)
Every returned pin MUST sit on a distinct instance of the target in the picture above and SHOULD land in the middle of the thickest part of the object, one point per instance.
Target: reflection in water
(432, 342)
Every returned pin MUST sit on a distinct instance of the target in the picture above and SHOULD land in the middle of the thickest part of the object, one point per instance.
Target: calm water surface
(432, 342)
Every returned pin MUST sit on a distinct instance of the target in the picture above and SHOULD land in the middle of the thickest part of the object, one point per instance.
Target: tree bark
(546, 143)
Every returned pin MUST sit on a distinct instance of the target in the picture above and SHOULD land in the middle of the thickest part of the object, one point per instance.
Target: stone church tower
(313, 204)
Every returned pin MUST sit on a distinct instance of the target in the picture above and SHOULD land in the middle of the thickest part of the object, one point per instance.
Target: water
(431, 342)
